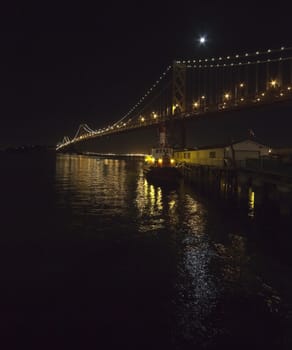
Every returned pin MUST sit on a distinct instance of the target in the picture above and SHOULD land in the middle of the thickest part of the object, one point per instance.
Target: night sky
(66, 63)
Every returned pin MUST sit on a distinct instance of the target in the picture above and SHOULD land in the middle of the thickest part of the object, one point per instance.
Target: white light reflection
(197, 291)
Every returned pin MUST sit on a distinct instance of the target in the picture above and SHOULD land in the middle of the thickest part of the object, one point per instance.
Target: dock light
(172, 161)
(148, 158)
(160, 161)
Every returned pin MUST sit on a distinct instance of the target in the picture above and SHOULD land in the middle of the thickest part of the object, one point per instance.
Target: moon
(202, 40)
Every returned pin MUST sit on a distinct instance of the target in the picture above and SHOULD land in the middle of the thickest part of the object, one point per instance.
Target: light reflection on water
(90, 248)
(156, 210)
(95, 185)
(197, 291)
(100, 187)
(251, 203)
(207, 265)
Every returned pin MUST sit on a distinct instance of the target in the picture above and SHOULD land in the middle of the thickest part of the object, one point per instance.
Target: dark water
(94, 257)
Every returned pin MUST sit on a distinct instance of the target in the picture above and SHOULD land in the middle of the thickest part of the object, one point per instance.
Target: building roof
(223, 145)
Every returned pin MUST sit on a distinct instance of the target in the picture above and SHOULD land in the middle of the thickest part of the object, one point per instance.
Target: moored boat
(163, 175)
(160, 166)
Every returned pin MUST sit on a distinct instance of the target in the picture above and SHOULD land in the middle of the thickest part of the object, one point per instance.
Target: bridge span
(195, 89)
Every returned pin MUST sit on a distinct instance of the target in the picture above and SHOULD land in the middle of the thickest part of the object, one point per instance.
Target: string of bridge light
(236, 64)
(144, 96)
(237, 56)
(224, 65)
(215, 65)
(64, 142)
(137, 104)
(84, 127)
(110, 127)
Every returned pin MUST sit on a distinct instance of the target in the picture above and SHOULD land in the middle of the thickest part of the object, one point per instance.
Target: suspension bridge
(188, 89)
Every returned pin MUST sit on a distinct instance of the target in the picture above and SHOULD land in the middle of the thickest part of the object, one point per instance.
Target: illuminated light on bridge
(273, 83)
(187, 89)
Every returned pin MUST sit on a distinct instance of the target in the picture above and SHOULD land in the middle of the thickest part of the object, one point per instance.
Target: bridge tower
(179, 104)
(179, 88)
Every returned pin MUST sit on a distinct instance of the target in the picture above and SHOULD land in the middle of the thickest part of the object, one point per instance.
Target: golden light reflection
(251, 203)
(171, 204)
(156, 208)
(91, 183)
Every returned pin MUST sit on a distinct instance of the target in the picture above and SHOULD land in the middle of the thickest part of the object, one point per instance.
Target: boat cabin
(161, 156)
